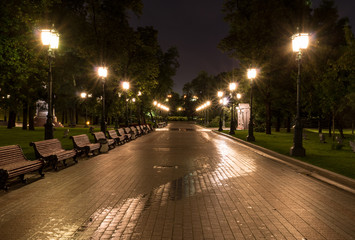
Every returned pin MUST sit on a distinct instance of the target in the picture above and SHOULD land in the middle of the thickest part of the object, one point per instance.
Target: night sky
(195, 28)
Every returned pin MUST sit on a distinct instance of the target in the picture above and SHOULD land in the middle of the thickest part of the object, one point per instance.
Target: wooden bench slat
(13, 163)
(52, 151)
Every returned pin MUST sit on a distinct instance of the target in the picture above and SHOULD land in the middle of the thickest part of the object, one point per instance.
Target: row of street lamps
(300, 41)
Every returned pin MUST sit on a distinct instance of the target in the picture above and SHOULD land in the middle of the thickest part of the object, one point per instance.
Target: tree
(255, 38)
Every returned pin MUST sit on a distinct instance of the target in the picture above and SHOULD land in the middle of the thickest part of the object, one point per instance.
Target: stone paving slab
(182, 182)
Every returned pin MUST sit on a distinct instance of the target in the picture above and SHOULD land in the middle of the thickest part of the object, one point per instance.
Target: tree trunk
(319, 124)
(333, 120)
(268, 117)
(24, 115)
(278, 123)
(288, 124)
(12, 119)
(63, 113)
(330, 126)
(31, 116)
(76, 115)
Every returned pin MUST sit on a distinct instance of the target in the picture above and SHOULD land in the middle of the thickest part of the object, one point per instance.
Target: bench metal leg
(22, 177)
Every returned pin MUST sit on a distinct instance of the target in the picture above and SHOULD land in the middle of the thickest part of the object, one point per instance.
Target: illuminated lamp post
(299, 42)
(84, 95)
(220, 95)
(251, 76)
(232, 88)
(50, 38)
(125, 86)
(102, 72)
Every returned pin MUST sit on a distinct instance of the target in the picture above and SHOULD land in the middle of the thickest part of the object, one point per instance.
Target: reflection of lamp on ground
(125, 86)
(299, 42)
(50, 38)
(232, 88)
(251, 76)
(102, 72)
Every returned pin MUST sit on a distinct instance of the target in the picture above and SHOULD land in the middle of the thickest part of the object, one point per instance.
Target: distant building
(243, 113)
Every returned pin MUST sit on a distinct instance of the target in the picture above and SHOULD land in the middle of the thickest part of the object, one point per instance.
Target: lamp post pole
(125, 86)
(49, 124)
(251, 76)
(299, 41)
(51, 38)
(103, 74)
(220, 95)
(232, 87)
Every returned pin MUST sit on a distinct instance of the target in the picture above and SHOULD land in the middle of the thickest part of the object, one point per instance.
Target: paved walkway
(182, 182)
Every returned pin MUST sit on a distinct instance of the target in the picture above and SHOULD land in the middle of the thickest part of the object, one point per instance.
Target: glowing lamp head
(220, 94)
(225, 101)
(50, 38)
(300, 41)
(251, 73)
(232, 86)
(125, 85)
(88, 123)
(83, 95)
(102, 72)
(239, 96)
(133, 100)
(208, 103)
(139, 93)
(155, 103)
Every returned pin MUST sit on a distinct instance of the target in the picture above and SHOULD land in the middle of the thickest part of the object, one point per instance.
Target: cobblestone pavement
(182, 182)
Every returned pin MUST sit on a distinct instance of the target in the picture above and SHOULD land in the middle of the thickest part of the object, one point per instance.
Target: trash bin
(103, 146)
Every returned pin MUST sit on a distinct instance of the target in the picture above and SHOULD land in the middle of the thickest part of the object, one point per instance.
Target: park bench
(101, 138)
(135, 131)
(82, 144)
(139, 130)
(13, 163)
(150, 128)
(51, 150)
(127, 136)
(143, 128)
(113, 135)
(129, 131)
(322, 138)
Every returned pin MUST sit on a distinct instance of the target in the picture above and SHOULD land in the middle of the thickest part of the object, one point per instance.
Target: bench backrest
(46, 147)
(112, 133)
(99, 135)
(11, 154)
(121, 132)
(128, 130)
(133, 129)
(81, 140)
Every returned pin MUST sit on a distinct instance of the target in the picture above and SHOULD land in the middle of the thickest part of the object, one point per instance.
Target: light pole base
(250, 138)
(48, 131)
(297, 151)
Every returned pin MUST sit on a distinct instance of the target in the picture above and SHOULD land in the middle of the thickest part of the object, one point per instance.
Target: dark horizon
(196, 28)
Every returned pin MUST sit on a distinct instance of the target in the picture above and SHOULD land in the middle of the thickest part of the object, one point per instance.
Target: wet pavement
(180, 182)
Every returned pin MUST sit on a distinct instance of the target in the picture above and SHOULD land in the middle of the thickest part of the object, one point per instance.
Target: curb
(334, 179)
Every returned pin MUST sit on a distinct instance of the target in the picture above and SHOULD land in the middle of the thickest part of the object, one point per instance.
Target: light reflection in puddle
(130, 216)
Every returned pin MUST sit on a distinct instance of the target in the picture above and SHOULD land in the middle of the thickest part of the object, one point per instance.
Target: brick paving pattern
(182, 183)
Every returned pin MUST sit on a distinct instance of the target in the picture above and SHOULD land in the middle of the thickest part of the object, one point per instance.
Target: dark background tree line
(260, 37)
(92, 33)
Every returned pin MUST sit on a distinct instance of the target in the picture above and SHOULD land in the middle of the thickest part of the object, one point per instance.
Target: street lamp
(84, 95)
(299, 41)
(50, 38)
(232, 88)
(102, 72)
(125, 86)
(251, 76)
(220, 95)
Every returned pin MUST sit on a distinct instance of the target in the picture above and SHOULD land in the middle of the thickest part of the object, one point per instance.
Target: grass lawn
(317, 153)
(24, 137)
